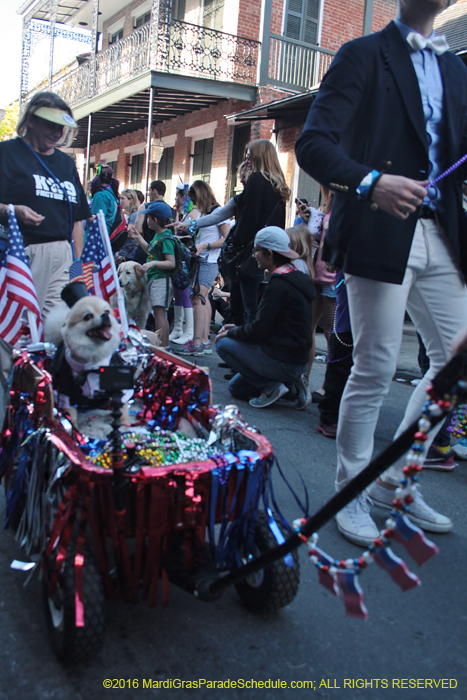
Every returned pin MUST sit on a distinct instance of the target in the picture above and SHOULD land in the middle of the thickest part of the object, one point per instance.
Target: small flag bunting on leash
(396, 568)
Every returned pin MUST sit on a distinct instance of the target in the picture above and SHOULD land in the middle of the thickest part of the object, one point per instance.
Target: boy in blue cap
(161, 260)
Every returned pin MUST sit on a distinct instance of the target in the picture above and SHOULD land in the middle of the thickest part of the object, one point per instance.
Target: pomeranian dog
(135, 291)
(91, 336)
(90, 332)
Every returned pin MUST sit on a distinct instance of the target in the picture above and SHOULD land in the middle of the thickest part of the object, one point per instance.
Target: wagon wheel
(276, 586)
(69, 642)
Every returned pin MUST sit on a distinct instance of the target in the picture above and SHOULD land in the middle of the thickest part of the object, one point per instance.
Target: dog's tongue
(106, 333)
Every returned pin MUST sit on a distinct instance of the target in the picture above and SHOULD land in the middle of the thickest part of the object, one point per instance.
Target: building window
(144, 19)
(164, 173)
(178, 10)
(137, 165)
(113, 165)
(202, 160)
(116, 37)
(213, 14)
(301, 20)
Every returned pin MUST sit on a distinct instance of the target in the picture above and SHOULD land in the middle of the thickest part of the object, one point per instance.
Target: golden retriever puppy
(135, 292)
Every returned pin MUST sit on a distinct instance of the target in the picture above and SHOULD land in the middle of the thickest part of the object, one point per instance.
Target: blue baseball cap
(160, 210)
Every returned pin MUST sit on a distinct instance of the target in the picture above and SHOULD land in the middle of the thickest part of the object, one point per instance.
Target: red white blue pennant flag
(420, 548)
(396, 568)
(352, 593)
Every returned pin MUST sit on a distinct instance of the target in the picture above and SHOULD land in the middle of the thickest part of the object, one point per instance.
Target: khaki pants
(50, 264)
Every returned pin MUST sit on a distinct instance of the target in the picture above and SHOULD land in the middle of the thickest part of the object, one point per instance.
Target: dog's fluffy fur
(135, 291)
(90, 331)
(90, 334)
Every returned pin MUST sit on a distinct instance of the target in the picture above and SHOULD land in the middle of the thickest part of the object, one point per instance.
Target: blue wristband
(365, 186)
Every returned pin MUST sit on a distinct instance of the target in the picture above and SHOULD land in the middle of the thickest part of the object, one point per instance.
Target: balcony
(295, 65)
(180, 49)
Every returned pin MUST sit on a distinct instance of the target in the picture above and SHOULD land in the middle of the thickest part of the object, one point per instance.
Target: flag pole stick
(108, 248)
(33, 327)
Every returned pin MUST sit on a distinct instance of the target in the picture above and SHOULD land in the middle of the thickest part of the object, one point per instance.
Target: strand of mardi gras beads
(449, 170)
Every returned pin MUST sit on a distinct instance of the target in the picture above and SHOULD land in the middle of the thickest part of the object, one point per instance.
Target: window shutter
(302, 20)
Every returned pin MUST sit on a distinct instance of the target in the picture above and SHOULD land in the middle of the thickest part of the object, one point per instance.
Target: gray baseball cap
(276, 239)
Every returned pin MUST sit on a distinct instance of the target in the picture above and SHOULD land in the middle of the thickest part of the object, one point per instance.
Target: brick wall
(222, 146)
(124, 13)
(343, 20)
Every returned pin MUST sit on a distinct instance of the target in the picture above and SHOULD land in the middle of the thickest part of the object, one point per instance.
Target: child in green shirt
(161, 260)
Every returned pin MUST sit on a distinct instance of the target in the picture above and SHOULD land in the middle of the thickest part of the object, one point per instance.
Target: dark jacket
(368, 115)
(257, 206)
(282, 326)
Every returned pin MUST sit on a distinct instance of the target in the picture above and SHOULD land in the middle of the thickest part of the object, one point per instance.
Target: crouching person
(270, 354)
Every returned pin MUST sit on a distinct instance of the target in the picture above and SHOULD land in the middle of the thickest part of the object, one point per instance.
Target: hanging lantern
(157, 148)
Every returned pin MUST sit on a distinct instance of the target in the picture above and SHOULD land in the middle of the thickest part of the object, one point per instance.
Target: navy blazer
(368, 115)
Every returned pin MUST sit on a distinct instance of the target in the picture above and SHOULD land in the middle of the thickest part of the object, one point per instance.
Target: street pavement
(418, 635)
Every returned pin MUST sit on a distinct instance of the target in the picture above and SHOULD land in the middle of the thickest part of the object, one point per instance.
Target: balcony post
(263, 72)
(25, 56)
(367, 17)
(148, 142)
(92, 77)
(53, 18)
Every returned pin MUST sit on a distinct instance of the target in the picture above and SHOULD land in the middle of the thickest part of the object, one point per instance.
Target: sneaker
(298, 397)
(419, 512)
(269, 396)
(355, 523)
(460, 449)
(207, 348)
(181, 348)
(190, 350)
(329, 431)
(441, 458)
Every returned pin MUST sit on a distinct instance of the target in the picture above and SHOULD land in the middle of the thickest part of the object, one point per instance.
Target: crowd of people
(386, 238)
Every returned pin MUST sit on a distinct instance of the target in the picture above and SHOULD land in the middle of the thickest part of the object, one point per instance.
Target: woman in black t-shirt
(43, 185)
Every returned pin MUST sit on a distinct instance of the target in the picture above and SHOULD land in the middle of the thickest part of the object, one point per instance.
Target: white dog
(135, 292)
(91, 336)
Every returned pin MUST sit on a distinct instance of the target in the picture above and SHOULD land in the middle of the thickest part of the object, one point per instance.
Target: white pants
(434, 294)
(50, 265)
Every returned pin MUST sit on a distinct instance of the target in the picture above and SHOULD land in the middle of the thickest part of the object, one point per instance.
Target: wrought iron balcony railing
(187, 49)
(296, 65)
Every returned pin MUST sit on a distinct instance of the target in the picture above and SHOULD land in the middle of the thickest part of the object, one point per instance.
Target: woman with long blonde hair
(130, 203)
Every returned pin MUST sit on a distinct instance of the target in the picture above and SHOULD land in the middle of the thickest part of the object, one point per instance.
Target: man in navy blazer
(390, 116)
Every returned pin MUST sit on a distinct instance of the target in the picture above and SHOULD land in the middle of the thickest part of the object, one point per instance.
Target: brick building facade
(206, 136)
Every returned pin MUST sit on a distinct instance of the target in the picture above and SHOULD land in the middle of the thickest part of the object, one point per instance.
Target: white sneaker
(419, 512)
(355, 523)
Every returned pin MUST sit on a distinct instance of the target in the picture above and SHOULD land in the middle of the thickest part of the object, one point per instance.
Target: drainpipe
(265, 34)
(367, 17)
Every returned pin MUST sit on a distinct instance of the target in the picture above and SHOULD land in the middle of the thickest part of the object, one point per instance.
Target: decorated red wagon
(121, 518)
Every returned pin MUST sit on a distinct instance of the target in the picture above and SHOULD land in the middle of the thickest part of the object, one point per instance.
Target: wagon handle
(447, 381)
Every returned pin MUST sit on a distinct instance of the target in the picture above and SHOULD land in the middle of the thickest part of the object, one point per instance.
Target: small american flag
(17, 289)
(420, 548)
(94, 267)
(396, 568)
(352, 593)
